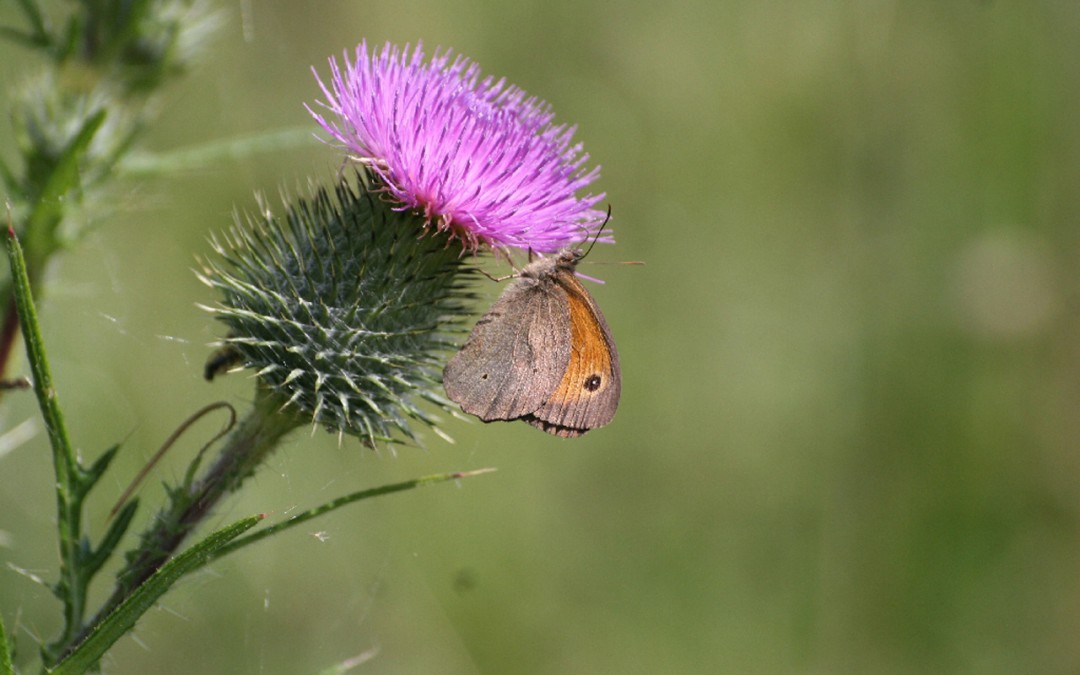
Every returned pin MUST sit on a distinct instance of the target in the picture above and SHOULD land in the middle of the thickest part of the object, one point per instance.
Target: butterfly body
(543, 354)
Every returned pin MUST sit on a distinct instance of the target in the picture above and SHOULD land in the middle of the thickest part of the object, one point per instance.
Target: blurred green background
(847, 439)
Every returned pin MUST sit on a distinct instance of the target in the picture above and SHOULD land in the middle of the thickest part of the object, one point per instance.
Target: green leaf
(6, 668)
(70, 588)
(33, 15)
(11, 183)
(68, 44)
(66, 465)
(137, 164)
(36, 35)
(19, 37)
(124, 618)
(343, 501)
(64, 177)
(97, 469)
(112, 537)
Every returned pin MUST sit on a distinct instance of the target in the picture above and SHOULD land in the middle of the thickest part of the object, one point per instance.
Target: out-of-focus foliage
(847, 440)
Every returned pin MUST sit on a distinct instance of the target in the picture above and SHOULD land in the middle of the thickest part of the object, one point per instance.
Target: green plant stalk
(248, 446)
(6, 667)
(9, 329)
(194, 158)
(9, 324)
(335, 504)
(48, 202)
(44, 220)
(70, 478)
(127, 613)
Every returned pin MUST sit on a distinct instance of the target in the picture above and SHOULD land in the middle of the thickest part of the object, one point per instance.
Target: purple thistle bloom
(479, 158)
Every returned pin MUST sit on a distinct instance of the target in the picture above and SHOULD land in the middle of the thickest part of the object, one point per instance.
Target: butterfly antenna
(598, 232)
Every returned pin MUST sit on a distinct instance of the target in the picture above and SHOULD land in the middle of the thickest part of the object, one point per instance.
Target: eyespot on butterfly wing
(588, 393)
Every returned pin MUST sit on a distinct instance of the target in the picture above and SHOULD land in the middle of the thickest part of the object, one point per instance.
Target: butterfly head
(570, 256)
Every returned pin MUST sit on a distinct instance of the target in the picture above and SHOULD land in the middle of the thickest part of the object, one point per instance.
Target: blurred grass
(847, 438)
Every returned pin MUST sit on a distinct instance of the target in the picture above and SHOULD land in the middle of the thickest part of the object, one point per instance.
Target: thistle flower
(340, 309)
(476, 157)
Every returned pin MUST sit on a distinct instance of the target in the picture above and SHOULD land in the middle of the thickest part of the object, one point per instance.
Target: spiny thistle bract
(342, 308)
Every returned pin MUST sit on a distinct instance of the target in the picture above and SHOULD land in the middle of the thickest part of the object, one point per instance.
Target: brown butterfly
(543, 354)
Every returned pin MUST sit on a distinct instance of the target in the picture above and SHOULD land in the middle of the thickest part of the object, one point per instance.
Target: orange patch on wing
(590, 355)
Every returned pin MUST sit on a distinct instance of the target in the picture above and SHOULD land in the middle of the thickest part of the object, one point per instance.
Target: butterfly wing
(515, 356)
(588, 391)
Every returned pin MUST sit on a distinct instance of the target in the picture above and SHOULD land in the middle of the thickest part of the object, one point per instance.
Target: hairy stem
(248, 446)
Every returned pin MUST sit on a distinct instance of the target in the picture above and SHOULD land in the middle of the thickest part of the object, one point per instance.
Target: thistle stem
(9, 329)
(249, 445)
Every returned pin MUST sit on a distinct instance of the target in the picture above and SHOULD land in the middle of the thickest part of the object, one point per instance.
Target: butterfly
(543, 354)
